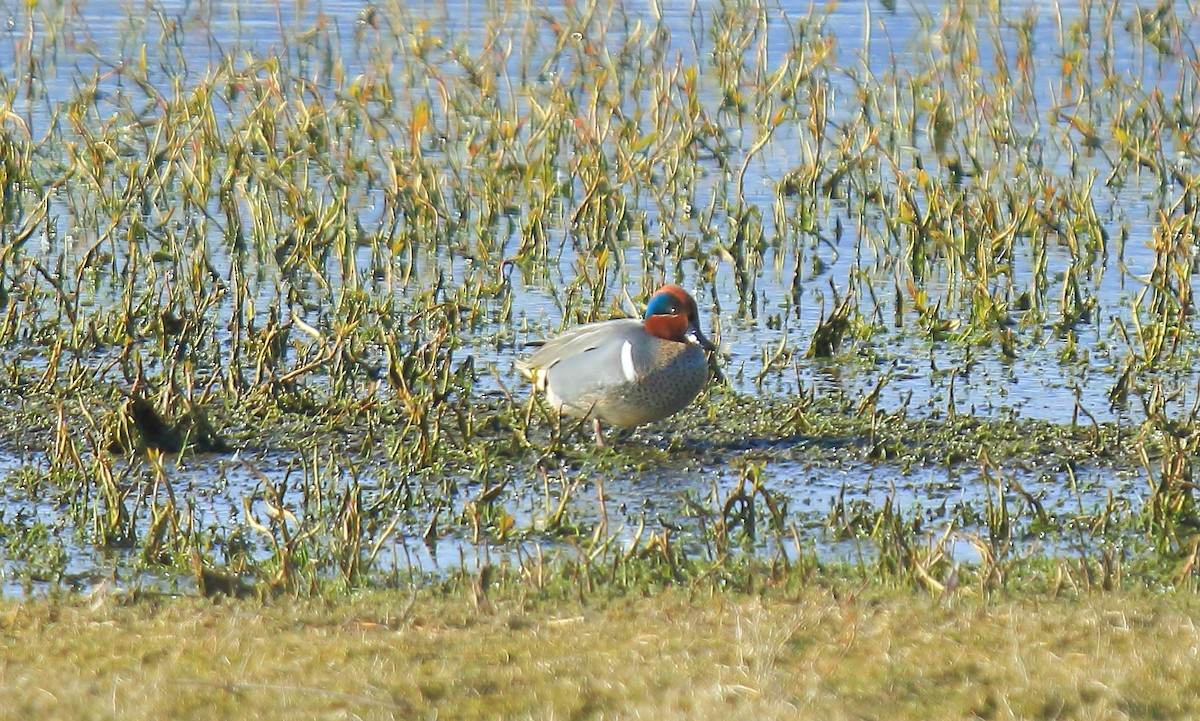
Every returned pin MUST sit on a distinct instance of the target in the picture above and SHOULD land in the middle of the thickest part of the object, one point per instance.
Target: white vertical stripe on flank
(627, 362)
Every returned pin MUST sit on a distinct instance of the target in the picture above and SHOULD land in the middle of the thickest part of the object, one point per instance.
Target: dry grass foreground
(667, 656)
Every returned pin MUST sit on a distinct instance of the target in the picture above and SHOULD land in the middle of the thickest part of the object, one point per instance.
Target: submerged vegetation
(263, 276)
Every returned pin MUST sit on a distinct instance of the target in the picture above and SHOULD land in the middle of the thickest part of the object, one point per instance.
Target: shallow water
(1054, 375)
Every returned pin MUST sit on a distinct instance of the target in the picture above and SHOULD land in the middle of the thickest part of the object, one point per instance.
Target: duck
(628, 371)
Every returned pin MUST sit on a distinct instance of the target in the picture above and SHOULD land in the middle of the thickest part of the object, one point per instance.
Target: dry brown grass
(665, 657)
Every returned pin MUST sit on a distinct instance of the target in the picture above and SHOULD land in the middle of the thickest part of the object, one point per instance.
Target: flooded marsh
(265, 272)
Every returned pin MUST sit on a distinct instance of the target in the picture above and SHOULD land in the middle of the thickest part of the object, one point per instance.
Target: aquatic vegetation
(263, 277)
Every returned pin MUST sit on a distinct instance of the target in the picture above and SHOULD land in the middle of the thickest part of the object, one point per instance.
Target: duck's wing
(600, 343)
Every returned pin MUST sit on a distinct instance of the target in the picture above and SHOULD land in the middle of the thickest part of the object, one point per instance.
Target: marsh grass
(320, 252)
(840, 650)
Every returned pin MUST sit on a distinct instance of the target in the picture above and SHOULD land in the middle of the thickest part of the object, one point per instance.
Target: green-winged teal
(628, 371)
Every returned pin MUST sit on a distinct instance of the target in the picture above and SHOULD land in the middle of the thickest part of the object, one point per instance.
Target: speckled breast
(669, 376)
